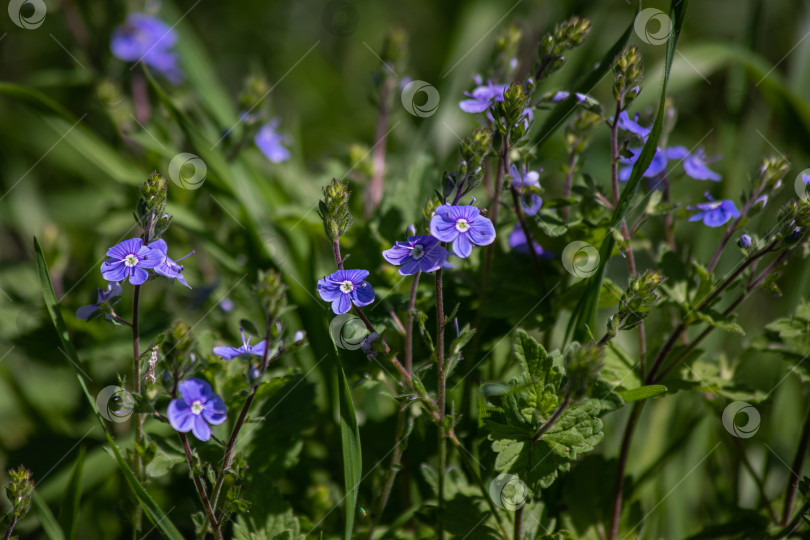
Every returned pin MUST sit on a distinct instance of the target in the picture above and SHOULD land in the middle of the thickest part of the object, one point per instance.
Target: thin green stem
(209, 511)
(409, 324)
(136, 388)
(441, 397)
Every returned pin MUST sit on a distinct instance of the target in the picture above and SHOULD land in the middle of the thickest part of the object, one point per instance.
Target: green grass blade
(584, 316)
(69, 511)
(150, 507)
(46, 518)
(642, 392)
(352, 458)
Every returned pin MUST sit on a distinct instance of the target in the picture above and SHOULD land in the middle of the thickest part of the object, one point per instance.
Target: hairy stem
(569, 180)
(409, 324)
(11, 525)
(209, 511)
(374, 191)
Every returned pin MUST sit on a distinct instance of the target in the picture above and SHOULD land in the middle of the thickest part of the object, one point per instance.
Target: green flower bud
(150, 210)
(19, 490)
(334, 209)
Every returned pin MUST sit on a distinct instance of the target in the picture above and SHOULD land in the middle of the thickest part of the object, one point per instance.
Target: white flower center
(462, 225)
(130, 260)
(347, 286)
(197, 407)
(418, 252)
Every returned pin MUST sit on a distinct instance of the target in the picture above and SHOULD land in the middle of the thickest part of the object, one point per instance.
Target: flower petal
(85, 312)
(150, 258)
(193, 389)
(398, 254)
(113, 270)
(180, 415)
(362, 296)
(138, 275)
(200, 428)
(215, 412)
(462, 246)
(342, 304)
(355, 276)
(328, 291)
(443, 229)
(474, 105)
(258, 349)
(411, 267)
(228, 353)
(127, 247)
(482, 232)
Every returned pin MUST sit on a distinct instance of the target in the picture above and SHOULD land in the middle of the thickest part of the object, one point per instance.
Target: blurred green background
(71, 158)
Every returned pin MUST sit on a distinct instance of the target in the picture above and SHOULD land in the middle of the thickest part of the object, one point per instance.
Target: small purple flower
(633, 126)
(229, 353)
(130, 259)
(517, 241)
(169, 268)
(103, 298)
(531, 202)
(344, 287)
(270, 142)
(226, 305)
(714, 213)
(197, 407)
(695, 163)
(745, 241)
(419, 253)
(149, 40)
(657, 165)
(483, 97)
(464, 226)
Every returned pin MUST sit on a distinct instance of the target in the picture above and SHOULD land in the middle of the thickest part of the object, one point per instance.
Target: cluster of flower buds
(636, 302)
(272, 293)
(566, 36)
(583, 364)
(628, 70)
(512, 113)
(150, 211)
(334, 209)
(19, 491)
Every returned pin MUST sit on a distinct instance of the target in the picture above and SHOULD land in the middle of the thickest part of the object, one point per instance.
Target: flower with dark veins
(695, 164)
(419, 253)
(246, 349)
(197, 407)
(463, 226)
(169, 268)
(129, 260)
(103, 301)
(714, 213)
(345, 287)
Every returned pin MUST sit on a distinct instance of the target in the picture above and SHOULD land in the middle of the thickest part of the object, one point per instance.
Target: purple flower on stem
(149, 40)
(270, 142)
(197, 407)
(657, 165)
(483, 97)
(464, 226)
(344, 287)
(530, 201)
(418, 253)
(103, 299)
(714, 213)
(229, 353)
(169, 268)
(695, 163)
(633, 126)
(517, 241)
(130, 259)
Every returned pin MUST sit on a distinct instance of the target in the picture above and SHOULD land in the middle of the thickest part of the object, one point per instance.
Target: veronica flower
(714, 213)
(169, 268)
(464, 226)
(419, 253)
(530, 201)
(270, 142)
(695, 164)
(197, 407)
(246, 350)
(657, 165)
(103, 298)
(130, 259)
(483, 97)
(344, 287)
(149, 40)
(517, 241)
(633, 126)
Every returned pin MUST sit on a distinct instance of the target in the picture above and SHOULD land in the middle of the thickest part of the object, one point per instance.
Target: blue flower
(169, 268)
(344, 287)
(657, 165)
(103, 299)
(517, 241)
(695, 164)
(464, 226)
(483, 97)
(150, 40)
(530, 201)
(633, 126)
(714, 213)
(745, 241)
(130, 259)
(197, 407)
(229, 353)
(419, 253)
(270, 142)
